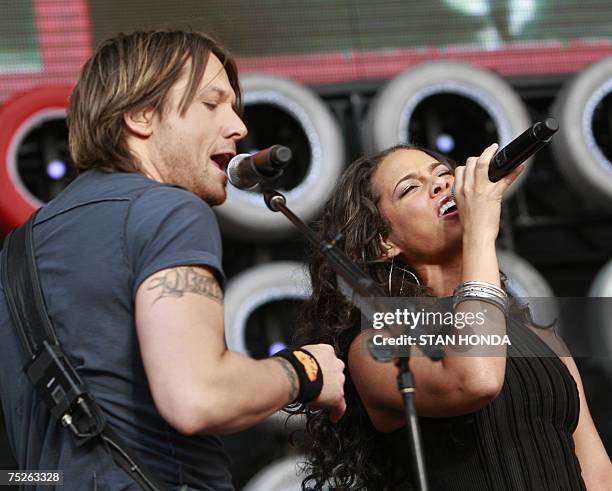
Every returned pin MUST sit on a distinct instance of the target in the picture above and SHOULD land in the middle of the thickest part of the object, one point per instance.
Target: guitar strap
(49, 369)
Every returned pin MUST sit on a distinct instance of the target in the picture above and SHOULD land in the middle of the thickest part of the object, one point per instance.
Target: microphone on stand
(246, 171)
(520, 149)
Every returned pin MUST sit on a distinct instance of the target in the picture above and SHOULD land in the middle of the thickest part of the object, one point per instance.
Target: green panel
(265, 27)
(18, 41)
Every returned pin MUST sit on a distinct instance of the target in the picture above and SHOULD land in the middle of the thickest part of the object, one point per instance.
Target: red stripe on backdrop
(15, 205)
(544, 58)
(64, 36)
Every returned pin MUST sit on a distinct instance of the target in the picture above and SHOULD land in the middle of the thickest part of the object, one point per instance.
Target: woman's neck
(442, 277)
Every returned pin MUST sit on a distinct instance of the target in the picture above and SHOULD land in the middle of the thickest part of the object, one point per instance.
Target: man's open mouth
(222, 159)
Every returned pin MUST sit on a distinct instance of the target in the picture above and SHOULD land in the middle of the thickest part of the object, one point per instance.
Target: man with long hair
(129, 257)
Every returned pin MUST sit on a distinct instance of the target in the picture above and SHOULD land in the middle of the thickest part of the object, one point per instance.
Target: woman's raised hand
(478, 199)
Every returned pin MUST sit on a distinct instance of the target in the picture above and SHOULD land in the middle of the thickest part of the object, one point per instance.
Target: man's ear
(141, 122)
(389, 249)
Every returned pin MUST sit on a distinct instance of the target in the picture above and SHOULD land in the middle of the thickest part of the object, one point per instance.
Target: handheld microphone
(246, 171)
(521, 148)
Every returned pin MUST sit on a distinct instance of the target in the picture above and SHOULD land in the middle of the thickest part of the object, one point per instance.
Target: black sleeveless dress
(521, 441)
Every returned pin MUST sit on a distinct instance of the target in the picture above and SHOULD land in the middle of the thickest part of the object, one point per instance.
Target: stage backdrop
(321, 41)
(316, 41)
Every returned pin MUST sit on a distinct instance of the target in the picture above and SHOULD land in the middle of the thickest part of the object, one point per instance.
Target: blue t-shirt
(95, 244)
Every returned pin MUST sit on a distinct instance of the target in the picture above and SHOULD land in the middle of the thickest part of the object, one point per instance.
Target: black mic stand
(369, 291)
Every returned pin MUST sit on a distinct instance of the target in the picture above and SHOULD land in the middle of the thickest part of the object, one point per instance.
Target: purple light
(445, 143)
(276, 347)
(56, 169)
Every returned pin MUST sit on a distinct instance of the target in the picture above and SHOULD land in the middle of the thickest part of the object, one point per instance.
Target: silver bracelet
(482, 285)
(483, 291)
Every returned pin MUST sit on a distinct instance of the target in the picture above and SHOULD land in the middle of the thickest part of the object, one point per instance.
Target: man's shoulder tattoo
(185, 279)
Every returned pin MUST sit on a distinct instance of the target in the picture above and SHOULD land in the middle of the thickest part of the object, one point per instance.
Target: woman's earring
(390, 275)
(404, 271)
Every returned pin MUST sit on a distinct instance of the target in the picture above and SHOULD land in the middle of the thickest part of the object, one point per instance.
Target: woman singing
(513, 421)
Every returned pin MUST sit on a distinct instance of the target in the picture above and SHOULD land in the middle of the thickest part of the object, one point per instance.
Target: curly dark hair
(349, 454)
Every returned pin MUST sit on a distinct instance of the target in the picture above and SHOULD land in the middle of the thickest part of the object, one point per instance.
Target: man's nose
(236, 129)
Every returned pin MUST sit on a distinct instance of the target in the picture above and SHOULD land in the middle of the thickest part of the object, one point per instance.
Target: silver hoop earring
(391, 274)
(404, 271)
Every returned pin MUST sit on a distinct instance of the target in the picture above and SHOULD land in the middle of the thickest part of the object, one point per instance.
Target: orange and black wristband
(308, 371)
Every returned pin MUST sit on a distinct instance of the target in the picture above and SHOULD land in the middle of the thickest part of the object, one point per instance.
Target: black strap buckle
(64, 393)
